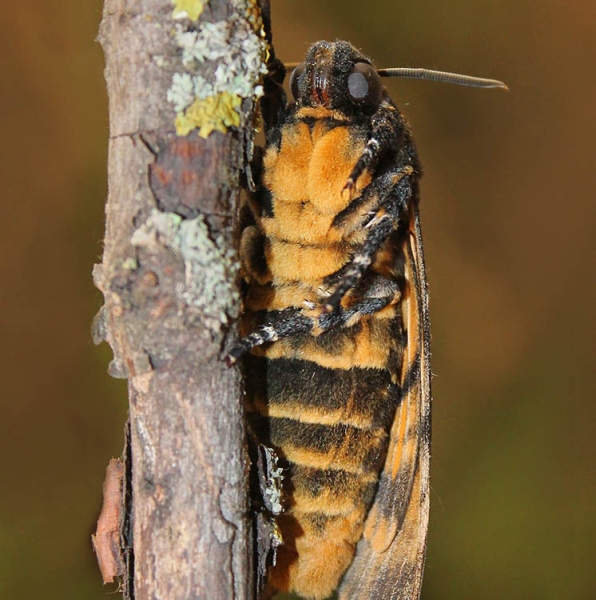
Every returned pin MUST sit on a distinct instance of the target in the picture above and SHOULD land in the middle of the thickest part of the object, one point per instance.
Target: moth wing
(390, 556)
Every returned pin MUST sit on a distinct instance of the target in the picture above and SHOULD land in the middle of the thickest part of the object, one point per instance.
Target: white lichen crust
(272, 493)
(209, 271)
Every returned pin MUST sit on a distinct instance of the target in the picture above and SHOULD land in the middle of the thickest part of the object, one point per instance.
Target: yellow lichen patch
(188, 9)
(214, 113)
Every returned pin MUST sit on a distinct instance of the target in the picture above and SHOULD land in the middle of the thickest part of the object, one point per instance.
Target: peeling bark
(168, 279)
(106, 541)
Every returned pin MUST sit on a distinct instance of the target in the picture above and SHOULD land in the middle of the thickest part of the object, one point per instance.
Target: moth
(336, 329)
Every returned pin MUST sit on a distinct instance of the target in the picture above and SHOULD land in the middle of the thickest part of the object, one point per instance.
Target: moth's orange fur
(318, 558)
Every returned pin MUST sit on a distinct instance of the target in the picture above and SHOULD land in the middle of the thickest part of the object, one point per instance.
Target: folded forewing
(390, 557)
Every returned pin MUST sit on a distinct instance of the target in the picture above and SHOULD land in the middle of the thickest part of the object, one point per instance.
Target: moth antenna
(443, 77)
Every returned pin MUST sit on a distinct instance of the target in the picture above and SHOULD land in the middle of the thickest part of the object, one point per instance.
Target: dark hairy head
(336, 76)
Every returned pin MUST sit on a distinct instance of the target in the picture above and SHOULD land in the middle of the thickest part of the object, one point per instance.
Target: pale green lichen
(236, 43)
(187, 9)
(181, 93)
(243, 51)
(160, 229)
(209, 270)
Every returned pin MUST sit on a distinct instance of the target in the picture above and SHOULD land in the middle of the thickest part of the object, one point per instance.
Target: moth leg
(280, 324)
(387, 129)
(368, 157)
(385, 219)
(378, 293)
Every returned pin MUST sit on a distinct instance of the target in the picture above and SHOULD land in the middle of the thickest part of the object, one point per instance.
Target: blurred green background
(509, 216)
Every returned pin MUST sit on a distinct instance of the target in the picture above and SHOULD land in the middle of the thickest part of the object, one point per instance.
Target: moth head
(335, 75)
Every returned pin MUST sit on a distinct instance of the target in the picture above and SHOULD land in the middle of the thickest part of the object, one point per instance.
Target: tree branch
(169, 280)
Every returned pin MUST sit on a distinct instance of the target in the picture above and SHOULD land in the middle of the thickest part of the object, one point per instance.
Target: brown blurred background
(509, 216)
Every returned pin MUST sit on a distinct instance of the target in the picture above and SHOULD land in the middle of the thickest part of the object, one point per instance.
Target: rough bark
(168, 282)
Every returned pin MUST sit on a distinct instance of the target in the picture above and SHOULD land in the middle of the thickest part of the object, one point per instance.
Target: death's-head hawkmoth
(336, 330)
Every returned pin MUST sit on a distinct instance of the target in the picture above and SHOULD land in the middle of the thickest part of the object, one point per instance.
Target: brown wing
(390, 556)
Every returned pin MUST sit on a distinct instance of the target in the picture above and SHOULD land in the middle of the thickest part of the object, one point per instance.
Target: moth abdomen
(330, 428)
(325, 418)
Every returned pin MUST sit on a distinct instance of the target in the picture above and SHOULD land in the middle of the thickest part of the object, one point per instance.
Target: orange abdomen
(329, 426)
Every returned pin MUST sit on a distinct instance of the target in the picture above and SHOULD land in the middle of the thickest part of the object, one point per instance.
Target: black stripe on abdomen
(304, 390)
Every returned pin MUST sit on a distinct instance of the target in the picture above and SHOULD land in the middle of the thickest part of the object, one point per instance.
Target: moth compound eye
(296, 80)
(364, 84)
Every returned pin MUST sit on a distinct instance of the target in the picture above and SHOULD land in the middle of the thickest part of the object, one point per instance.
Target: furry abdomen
(324, 402)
